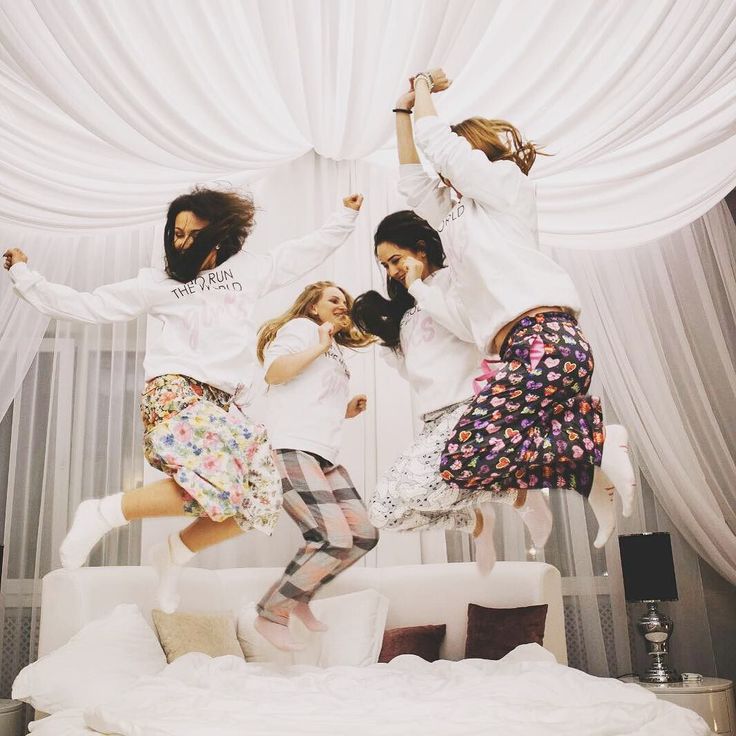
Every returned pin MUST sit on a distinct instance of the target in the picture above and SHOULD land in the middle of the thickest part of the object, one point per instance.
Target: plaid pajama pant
(333, 520)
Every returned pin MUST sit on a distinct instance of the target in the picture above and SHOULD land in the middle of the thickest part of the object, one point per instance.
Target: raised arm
(424, 194)
(119, 302)
(441, 302)
(298, 344)
(294, 258)
(469, 170)
(404, 131)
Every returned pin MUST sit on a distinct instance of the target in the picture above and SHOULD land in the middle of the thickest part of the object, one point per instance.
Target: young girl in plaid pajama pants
(533, 424)
(307, 402)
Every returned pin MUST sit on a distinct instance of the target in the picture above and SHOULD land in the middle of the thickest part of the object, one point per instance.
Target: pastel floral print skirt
(532, 425)
(218, 456)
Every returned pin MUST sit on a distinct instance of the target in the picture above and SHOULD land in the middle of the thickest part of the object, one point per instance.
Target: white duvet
(525, 694)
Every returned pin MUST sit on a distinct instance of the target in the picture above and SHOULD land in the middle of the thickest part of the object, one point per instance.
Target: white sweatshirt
(437, 355)
(307, 412)
(490, 236)
(207, 330)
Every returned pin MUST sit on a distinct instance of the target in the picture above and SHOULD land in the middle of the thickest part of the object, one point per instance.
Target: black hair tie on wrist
(402, 109)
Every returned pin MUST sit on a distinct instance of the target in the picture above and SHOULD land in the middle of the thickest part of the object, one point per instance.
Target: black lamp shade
(647, 566)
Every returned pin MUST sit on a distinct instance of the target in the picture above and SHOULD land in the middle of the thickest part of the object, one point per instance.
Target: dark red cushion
(424, 641)
(494, 632)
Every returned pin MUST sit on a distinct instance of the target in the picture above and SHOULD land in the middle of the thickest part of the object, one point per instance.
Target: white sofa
(418, 594)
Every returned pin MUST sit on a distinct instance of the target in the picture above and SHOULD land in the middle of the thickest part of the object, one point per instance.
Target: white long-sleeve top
(207, 330)
(490, 235)
(437, 354)
(308, 411)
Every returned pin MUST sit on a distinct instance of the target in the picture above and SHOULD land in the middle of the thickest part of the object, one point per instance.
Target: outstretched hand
(13, 256)
(356, 405)
(440, 82)
(354, 201)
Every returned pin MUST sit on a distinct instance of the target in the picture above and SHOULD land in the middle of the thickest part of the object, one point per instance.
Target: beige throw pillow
(181, 633)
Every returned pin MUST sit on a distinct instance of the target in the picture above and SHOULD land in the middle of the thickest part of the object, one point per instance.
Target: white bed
(530, 691)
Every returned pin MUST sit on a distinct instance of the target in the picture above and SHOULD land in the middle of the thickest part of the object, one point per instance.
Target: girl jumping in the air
(532, 425)
(425, 335)
(307, 403)
(218, 461)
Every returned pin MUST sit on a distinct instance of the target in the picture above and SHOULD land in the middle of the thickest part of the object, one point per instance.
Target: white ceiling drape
(110, 109)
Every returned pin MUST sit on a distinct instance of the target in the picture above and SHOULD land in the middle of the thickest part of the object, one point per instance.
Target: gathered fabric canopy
(111, 109)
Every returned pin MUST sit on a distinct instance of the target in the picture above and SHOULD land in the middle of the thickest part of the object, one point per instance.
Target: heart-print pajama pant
(532, 426)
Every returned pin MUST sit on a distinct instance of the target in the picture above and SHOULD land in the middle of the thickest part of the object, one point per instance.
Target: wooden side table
(712, 699)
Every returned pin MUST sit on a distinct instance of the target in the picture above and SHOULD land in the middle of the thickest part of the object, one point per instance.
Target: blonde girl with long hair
(307, 402)
(532, 425)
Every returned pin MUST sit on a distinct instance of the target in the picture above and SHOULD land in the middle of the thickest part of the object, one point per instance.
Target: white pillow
(102, 659)
(356, 624)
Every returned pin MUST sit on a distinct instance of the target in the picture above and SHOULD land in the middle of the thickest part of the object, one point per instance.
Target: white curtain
(72, 432)
(662, 320)
(111, 109)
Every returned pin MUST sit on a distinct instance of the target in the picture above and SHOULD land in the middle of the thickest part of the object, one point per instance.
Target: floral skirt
(218, 456)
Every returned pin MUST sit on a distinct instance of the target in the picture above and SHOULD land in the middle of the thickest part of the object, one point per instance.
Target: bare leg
(162, 498)
(204, 532)
(520, 498)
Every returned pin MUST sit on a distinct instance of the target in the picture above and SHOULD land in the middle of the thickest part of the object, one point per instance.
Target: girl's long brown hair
(499, 140)
(230, 215)
(349, 337)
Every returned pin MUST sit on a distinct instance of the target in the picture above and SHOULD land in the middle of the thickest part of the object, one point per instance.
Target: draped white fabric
(664, 340)
(109, 109)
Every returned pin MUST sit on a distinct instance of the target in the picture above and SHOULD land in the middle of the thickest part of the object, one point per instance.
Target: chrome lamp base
(657, 628)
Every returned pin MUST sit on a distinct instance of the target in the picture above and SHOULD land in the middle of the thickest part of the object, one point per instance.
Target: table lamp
(649, 577)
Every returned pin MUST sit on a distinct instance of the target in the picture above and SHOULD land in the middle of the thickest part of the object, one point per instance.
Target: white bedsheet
(525, 693)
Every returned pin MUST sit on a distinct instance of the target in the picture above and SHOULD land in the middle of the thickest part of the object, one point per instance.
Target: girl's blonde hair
(349, 337)
(499, 140)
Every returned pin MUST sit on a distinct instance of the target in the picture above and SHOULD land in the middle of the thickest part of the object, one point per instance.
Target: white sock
(90, 524)
(601, 503)
(276, 634)
(616, 465)
(168, 557)
(111, 509)
(485, 550)
(536, 515)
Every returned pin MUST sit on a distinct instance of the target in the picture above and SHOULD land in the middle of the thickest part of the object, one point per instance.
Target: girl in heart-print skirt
(532, 425)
